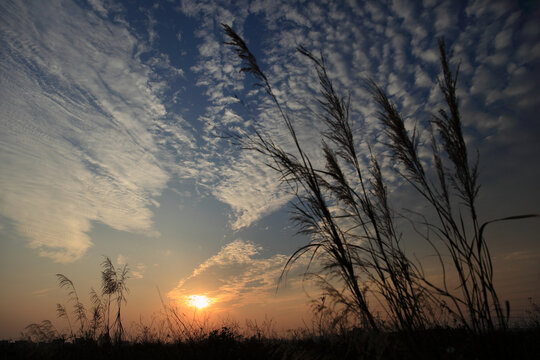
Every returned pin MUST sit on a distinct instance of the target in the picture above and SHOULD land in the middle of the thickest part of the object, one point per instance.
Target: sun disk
(198, 301)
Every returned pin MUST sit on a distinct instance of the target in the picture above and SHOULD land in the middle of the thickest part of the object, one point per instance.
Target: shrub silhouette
(359, 245)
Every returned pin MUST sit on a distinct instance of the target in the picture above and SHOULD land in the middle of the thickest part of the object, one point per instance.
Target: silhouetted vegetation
(345, 209)
(173, 335)
(94, 324)
(226, 342)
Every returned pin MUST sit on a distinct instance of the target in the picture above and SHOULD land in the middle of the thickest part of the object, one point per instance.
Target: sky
(111, 140)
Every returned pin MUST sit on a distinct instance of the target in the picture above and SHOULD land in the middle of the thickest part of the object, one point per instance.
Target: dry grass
(359, 245)
(173, 335)
(94, 324)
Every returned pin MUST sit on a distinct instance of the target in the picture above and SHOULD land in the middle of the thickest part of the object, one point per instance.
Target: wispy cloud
(42, 292)
(87, 136)
(138, 270)
(239, 276)
(522, 256)
(77, 112)
(135, 270)
(98, 6)
(250, 189)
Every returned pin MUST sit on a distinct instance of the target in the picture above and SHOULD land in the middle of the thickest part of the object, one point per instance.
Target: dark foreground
(433, 344)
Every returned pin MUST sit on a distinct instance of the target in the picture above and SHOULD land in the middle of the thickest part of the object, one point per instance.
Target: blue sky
(111, 120)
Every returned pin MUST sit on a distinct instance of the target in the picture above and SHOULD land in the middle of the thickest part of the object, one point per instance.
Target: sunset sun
(198, 301)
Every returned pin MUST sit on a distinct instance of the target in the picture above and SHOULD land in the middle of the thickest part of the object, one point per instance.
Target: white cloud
(375, 11)
(503, 39)
(422, 79)
(354, 49)
(483, 81)
(251, 189)
(480, 8)
(77, 110)
(98, 6)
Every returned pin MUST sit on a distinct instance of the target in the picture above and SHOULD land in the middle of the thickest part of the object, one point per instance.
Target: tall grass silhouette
(113, 287)
(94, 324)
(359, 244)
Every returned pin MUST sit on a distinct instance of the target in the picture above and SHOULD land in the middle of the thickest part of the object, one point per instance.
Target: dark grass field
(226, 344)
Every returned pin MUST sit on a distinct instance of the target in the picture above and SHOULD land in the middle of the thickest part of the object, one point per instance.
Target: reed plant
(79, 310)
(346, 211)
(94, 323)
(113, 287)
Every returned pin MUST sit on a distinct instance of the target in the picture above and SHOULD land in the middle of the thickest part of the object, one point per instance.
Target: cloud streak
(238, 276)
(76, 142)
(87, 131)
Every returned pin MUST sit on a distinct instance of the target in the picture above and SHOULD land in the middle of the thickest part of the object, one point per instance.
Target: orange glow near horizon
(198, 301)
